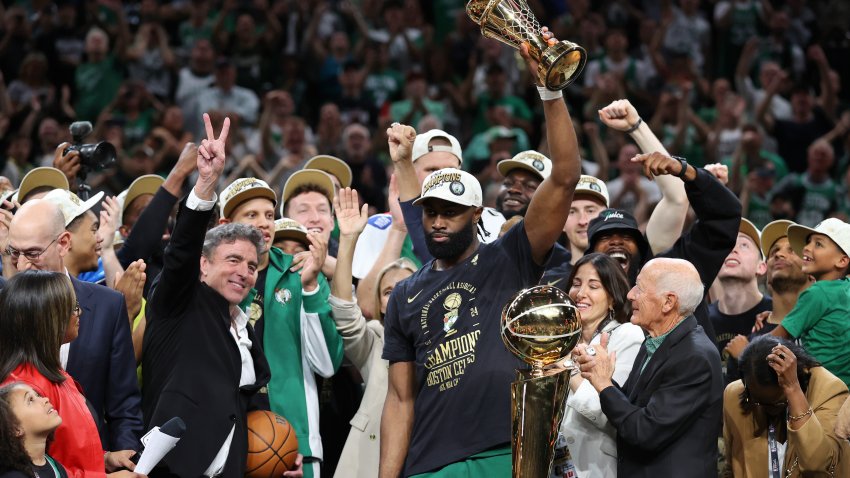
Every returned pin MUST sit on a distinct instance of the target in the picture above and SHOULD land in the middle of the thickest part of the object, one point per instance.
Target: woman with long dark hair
(598, 286)
(778, 420)
(38, 313)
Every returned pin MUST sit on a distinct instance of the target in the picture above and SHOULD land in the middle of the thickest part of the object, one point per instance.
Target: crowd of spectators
(760, 86)
(752, 93)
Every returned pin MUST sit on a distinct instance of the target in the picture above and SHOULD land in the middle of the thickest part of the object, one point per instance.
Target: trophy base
(537, 407)
(561, 64)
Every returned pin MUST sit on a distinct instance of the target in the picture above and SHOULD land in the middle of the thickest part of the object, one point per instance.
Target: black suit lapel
(659, 357)
(634, 375)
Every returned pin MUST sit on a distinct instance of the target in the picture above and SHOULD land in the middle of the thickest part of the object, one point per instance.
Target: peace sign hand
(211, 158)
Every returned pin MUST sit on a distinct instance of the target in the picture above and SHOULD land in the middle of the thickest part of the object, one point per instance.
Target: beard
(793, 283)
(500, 201)
(456, 245)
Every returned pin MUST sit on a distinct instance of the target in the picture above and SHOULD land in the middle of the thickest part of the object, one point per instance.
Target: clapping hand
(131, 284)
(596, 365)
(311, 261)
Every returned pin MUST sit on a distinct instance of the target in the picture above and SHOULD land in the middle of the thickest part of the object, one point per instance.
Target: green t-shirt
(96, 85)
(691, 149)
(384, 86)
(189, 34)
(515, 106)
(842, 202)
(821, 321)
(758, 211)
(818, 201)
(137, 129)
(778, 164)
(400, 109)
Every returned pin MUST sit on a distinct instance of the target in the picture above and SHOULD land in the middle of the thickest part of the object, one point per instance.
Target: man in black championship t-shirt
(448, 403)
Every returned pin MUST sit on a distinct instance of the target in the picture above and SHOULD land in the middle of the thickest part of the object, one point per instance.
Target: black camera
(93, 157)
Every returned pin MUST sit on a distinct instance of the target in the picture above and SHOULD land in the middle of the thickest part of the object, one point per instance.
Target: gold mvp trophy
(540, 325)
(512, 22)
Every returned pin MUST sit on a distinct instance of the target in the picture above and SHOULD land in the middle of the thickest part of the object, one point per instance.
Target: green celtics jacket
(300, 339)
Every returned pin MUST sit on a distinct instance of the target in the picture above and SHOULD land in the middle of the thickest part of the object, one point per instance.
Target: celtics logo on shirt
(450, 323)
(255, 310)
(451, 304)
(283, 296)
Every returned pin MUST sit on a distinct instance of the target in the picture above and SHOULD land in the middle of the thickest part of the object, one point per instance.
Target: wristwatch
(684, 164)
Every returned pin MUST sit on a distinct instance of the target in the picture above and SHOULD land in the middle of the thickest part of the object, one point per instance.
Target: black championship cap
(616, 220)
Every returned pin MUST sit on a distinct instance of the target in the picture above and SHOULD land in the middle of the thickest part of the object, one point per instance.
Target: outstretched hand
(110, 221)
(350, 217)
(657, 164)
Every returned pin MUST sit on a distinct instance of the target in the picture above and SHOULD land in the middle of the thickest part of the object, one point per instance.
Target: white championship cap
(72, 206)
(530, 160)
(835, 229)
(452, 185)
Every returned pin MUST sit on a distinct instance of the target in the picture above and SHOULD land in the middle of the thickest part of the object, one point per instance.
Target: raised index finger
(225, 129)
(208, 127)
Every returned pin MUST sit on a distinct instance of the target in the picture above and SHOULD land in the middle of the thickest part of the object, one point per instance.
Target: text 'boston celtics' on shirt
(447, 322)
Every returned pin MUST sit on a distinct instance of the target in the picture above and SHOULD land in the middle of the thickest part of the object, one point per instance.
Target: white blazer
(592, 441)
(363, 342)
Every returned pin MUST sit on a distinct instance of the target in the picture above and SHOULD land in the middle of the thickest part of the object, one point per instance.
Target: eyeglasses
(31, 256)
(77, 309)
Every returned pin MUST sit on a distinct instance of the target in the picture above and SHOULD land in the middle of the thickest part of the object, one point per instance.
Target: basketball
(272, 445)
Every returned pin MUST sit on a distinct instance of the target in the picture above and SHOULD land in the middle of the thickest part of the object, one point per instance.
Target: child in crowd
(820, 317)
(27, 422)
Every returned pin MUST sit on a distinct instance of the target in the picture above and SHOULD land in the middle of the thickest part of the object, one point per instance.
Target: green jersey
(820, 319)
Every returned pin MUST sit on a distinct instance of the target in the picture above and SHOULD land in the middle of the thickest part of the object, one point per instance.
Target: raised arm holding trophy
(442, 337)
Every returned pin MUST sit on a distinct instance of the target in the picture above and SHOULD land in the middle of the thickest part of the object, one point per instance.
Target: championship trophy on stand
(512, 22)
(540, 326)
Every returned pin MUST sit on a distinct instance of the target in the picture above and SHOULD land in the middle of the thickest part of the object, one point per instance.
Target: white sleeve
(313, 344)
(625, 340)
(195, 203)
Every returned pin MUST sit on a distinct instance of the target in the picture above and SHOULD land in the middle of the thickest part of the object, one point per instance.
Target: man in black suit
(668, 413)
(201, 359)
(101, 359)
